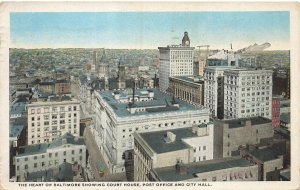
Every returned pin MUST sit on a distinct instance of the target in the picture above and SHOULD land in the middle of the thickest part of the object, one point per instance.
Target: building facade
(276, 112)
(233, 133)
(50, 119)
(175, 60)
(226, 169)
(188, 88)
(214, 90)
(168, 147)
(117, 117)
(34, 158)
(247, 93)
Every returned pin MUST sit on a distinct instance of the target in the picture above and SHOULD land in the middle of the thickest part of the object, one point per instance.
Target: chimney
(170, 137)
(181, 168)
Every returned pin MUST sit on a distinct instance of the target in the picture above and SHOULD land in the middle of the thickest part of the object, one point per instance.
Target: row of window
(43, 164)
(54, 109)
(49, 155)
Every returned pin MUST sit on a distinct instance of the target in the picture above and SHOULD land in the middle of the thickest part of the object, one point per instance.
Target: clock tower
(186, 40)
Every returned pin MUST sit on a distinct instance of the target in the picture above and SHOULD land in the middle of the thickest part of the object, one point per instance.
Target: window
(214, 178)
(204, 157)
(50, 155)
(32, 111)
(72, 151)
(35, 157)
(65, 153)
(26, 166)
(74, 108)
(35, 165)
(46, 110)
(123, 156)
(32, 119)
(204, 147)
(70, 108)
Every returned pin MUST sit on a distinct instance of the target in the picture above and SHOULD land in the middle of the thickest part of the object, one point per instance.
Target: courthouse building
(118, 114)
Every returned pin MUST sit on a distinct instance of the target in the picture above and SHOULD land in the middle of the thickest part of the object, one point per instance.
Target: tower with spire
(102, 68)
(121, 76)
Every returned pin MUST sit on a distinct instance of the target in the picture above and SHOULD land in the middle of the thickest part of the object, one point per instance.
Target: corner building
(118, 117)
(52, 118)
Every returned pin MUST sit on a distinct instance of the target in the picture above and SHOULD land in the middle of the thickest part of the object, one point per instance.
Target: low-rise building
(225, 169)
(40, 157)
(269, 161)
(231, 134)
(188, 88)
(166, 148)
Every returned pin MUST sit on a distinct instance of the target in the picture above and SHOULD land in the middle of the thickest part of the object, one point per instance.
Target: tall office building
(214, 90)
(52, 118)
(175, 60)
(238, 92)
(247, 93)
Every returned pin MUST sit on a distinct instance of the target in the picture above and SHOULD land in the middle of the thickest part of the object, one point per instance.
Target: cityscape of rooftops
(149, 97)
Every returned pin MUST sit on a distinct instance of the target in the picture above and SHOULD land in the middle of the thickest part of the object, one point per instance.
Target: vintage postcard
(130, 95)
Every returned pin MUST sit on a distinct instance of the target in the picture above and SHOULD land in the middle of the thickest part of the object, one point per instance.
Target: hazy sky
(143, 30)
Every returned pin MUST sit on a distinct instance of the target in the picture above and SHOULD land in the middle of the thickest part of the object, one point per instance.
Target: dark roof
(285, 117)
(47, 175)
(65, 172)
(156, 140)
(265, 154)
(234, 123)
(169, 173)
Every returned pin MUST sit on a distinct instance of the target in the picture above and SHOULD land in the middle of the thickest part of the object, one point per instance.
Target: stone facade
(188, 88)
(48, 120)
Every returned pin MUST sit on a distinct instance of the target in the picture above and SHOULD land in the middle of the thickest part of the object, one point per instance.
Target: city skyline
(149, 30)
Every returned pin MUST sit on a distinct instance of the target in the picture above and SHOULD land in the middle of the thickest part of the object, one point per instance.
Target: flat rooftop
(160, 99)
(265, 154)
(42, 148)
(156, 140)
(191, 78)
(169, 173)
(235, 123)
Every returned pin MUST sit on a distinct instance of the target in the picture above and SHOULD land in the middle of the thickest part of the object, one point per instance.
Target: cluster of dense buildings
(224, 125)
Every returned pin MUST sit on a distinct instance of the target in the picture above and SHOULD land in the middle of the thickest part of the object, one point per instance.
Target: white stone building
(168, 147)
(214, 90)
(117, 118)
(232, 92)
(52, 118)
(40, 157)
(247, 93)
(175, 60)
